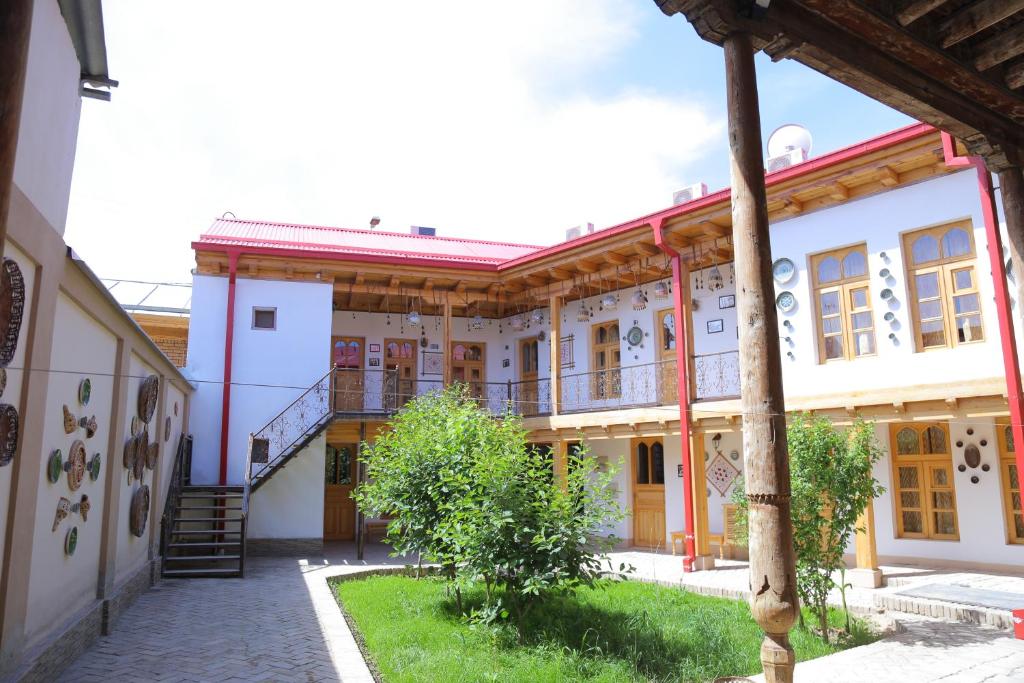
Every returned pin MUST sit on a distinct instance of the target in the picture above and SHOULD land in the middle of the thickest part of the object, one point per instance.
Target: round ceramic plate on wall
(635, 336)
(785, 301)
(783, 270)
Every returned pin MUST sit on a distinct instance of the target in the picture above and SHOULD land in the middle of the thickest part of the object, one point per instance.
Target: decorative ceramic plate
(83, 507)
(84, 391)
(129, 452)
(76, 465)
(147, 397)
(141, 448)
(3, 380)
(635, 336)
(167, 428)
(139, 511)
(63, 508)
(12, 305)
(89, 424)
(783, 270)
(71, 541)
(8, 433)
(152, 453)
(175, 409)
(785, 301)
(54, 466)
(70, 423)
(94, 467)
(136, 425)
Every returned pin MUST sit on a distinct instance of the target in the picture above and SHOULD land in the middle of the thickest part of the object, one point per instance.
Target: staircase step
(205, 532)
(207, 519)
(205, 544)
(205, 507)
(186, 496)
(201, 558)
(203, 573)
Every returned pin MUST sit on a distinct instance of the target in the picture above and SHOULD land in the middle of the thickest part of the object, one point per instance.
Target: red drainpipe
(229, 337)
(682, 363)
(1011, 366)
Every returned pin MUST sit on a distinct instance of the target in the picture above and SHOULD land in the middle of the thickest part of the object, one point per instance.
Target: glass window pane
(910, 499)
(860, 321)
(459, 352)
(934, 442)
(1018, 524)
(1014, 481)
(344, 466)
(855, 265)
(642, 473)
(924, 249)
(1008, 433)
(658, 463)
(864, 343)
(963, 279)
(968, 329)
(331, 466)
(831, 325)
(912, 522)
(966, 303)
(910, 478)
(833, 347)
(829, 303)
(945, 523)
(859, 297)
(927, 285)
(601, 335)
(933, 333)
(613, 332)
(828, 270)
(907, 444)
(929, 309)
(956, 242)
(942, 500)
(668, 332)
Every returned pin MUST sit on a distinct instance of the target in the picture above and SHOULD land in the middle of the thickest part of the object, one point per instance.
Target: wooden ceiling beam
(535, 280)
(888, 177)
(646, 249)
(916, 10)
(1015, 75)
(714, 230)
(559, 274)
(394, 282)
(839, 192)
(975, 18)
(615, 258)
(1000, 48)
(585, 266)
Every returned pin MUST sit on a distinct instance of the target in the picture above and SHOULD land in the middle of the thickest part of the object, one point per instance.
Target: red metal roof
(315, 238)
(289, 239)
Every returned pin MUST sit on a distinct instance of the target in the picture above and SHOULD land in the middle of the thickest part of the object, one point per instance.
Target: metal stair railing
(178, 479)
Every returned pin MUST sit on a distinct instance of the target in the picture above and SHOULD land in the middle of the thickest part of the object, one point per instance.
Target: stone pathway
(281, 623)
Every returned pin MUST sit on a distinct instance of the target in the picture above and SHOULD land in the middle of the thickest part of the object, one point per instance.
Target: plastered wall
(291, 503)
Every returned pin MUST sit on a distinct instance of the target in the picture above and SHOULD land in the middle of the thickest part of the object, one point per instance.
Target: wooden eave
(915, 68)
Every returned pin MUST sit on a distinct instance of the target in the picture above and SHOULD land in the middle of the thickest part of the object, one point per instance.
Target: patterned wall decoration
(141, 454)
(77, 465)
(12, 307)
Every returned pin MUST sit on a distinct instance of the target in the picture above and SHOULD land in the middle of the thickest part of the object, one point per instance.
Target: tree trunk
(774, 601)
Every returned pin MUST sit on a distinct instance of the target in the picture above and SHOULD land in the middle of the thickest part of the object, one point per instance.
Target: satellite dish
(787, 138)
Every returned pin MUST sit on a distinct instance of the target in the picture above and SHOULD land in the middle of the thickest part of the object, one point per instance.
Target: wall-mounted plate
(783, 270)
(886, 294)
(889, 316)
(785, 301)
(635, 336)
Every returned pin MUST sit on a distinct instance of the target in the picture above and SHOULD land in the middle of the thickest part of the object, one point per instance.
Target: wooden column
(446, 350)
(560, 458)
(555, 312)
(774, 603)
(867, 574)
(701, 530)
(15, 27)
(1011, 183)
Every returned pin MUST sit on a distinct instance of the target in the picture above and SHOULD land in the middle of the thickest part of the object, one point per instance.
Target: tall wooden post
(555, 313)
(15, 26)
(1011, 183)
(446, 345)
(773, 599)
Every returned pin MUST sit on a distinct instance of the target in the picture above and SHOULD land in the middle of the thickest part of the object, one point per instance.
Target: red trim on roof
(384, 255)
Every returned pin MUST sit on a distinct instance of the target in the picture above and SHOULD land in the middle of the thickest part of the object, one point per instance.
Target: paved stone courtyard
(281, 623)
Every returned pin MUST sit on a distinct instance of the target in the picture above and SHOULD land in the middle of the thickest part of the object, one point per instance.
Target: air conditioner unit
(422, 230)
(790, 158)
(573, 233)
(689, 193)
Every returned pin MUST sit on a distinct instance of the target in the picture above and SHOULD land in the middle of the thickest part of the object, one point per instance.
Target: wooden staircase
(206, 533)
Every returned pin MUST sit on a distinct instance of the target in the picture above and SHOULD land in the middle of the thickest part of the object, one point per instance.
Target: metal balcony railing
(632, 386)
(716, 376)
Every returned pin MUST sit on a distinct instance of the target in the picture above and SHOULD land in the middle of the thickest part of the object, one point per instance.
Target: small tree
(831, 474)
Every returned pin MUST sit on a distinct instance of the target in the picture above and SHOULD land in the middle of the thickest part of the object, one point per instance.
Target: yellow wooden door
(667, 375)
(468, 366)
(528, 362)
(349, 382)
(339, 479)
(400, 359)
(648, 469)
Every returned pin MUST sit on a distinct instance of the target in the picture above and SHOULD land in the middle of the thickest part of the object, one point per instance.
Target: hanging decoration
(9, 426)
(3, 380)
(89, 424)
(70, 423)
(661, 290)
(139, 512)
(63, 509)
(517, 323)
(71, 541)
(83, 507)
(721, 474)
(94, 467)
(54, 466)
(141, 452)
(537, 316)
(75, 465)
(129, 453)
(639, 299)
(12, 305)
(715, 280)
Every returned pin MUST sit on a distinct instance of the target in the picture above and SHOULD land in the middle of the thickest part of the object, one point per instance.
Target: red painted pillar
(683, 391)
(229, 337)
(1007, 338)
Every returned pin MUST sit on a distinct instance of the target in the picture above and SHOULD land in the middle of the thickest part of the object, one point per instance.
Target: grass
(620, 631)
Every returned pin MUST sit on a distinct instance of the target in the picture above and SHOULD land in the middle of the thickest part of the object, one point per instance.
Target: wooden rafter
(916, 10)
(975, 18)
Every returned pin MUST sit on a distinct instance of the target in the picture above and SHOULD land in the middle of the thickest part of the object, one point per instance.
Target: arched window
(643, 475)
(829, 270)
(846, 327)
(934, 441)
(458, 352)
(855, 264)
(657, 463)
(923, 482)
(907, 442)
(925, 249)
(956, 242)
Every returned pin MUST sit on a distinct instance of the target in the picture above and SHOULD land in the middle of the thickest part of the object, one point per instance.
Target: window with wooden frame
(943, 285)
(842, 295)
(607, 357)
(922, 469)
(1010, 478)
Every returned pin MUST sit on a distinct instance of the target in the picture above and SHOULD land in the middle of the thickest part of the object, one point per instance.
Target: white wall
(615, 452)
(291, 503)
(206, 371)
(48, 133)
(15, 373)
(980, 514)
(60, 585)
(732, 442)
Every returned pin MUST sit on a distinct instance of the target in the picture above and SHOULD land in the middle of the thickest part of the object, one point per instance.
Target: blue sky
(469, 117)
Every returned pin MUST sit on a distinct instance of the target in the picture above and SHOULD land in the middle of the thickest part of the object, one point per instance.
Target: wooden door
(468, 363)
(528, 362)
(400, 365)
(349, 381)
(648, 470)
(339, 479)
(668, 377)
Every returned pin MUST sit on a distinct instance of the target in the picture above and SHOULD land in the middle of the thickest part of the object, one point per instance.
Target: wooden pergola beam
(916, 10)
(975, 18)
(1000, 48)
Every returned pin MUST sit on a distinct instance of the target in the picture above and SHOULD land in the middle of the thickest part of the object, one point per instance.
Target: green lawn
(621, 631)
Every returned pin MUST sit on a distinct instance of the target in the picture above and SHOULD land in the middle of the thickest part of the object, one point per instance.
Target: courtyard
(281, 623)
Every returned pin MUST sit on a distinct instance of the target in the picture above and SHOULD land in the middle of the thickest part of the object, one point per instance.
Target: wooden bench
(376, 528)
(726, 539)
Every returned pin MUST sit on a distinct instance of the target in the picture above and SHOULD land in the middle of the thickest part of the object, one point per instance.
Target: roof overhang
(937, 66)
(84, 19)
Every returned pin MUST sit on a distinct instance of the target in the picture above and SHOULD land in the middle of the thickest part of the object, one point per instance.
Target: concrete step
(203, 573)
(207, 519)
(205, 544)
(205, 532)
(206, 507)
(202, 558)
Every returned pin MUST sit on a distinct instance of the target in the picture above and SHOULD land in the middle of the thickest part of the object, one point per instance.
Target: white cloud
(471, 117)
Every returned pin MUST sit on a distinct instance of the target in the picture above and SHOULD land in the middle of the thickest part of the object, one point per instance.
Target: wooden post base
(864, 578)
(777, 658)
